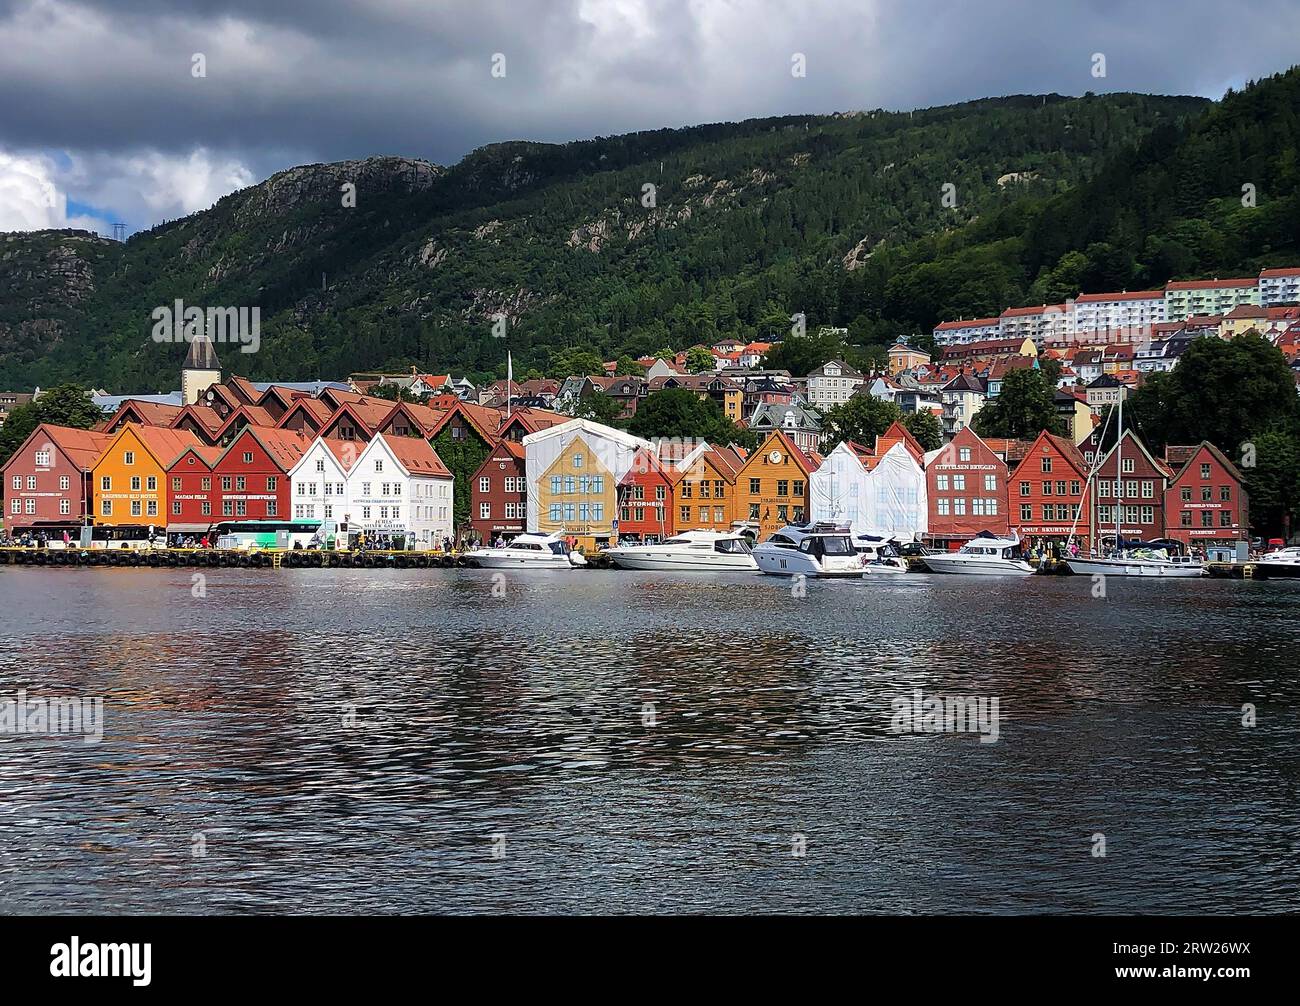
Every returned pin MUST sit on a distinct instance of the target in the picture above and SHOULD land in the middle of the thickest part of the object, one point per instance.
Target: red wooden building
(1205, 503)
(251, 477)
(192, 503)
(47, 480)
(646, 509)
(966, 489)
(1048, 494)
(1137, 486)
(499, 492)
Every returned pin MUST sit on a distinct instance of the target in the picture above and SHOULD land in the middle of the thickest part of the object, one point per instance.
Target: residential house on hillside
(962, 398)
(833, 383)
(801, 424)
(904, 357)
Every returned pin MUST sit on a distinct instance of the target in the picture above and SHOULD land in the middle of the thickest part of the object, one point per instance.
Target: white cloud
(30, 198)
(139, 188)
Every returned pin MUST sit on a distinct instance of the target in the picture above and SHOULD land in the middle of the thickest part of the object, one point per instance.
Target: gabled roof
(284, 447)
(344, 452)
(208, 455)
(484, 421)
(586, 426)
(82, 447)
(422, 417)
(414, 455)
(314, 409)
(204, 416)
(898, 433)
(1217, 454)
(804, 461)
(1062, 445)
(146, 413)
(165, 445)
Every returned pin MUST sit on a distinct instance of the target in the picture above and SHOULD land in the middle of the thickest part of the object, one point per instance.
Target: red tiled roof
(1123, 295)
(1210, 284)
(416, 456)
(83, 447)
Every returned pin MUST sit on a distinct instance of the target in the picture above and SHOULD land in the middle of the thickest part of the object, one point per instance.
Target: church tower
(201, 369)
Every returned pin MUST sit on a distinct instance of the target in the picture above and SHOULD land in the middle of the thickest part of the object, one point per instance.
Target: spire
(202, 354)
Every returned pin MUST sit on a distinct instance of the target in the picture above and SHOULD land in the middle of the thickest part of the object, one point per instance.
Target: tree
(861, 419)
(926, 428)
(576, 363)
(625, 366)
(463, 456)
(1273, 483)
(392, 392)
(599, 407)
(802, 354)
(678, 412)
(698, 360)
(65, 405)
(1024, 408)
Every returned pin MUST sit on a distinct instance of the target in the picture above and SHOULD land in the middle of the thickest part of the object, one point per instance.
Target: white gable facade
(318, 485)
(384, 497)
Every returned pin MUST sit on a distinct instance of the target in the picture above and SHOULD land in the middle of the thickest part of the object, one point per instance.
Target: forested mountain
(842, 218)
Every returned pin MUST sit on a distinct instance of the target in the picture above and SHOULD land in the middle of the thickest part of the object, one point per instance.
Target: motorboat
(878, 555)
(1282, 563)
(1291, 553)
(983, 555)
(809, 550)
(531, 551)
(1138, 562)
(690, 550)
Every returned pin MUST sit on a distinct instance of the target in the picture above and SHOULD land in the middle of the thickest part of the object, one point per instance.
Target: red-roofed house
(192, 503)
(251, 477)
(1279, 286)
(499, 493)
(1206, 503)
(966, 491)
(399, 489)
(1049, 493)
(47, 480)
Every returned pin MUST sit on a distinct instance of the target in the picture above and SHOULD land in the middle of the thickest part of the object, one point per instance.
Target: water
(521, 724)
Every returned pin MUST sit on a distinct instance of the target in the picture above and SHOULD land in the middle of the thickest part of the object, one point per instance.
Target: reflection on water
(351, 741)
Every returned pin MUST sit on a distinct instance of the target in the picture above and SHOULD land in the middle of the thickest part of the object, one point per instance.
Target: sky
(141, 111)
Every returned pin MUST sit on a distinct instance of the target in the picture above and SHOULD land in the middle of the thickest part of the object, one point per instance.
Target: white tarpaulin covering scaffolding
(614, 451)
(889, 501)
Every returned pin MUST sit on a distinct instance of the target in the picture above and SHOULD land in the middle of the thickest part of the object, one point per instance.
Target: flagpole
(510, 380)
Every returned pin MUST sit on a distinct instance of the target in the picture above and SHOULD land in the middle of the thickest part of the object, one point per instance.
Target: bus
(279, 534)
(122, 536)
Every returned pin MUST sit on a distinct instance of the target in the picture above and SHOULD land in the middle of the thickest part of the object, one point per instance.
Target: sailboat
(1131, 562)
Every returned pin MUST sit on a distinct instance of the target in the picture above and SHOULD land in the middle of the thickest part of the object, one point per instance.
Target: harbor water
(454, 741)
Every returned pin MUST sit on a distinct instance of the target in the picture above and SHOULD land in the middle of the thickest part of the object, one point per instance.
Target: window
(577, 461)
(1206, 494)
(990, 483)
(943, 506)
(207, 483)
(570, 484)
(1131, 488)
(660, 493)
(1186, 494)
(379, 464)
(365, 513)
(484, 511)
(206, 509)
(1075, 487)
(556, 485)
(1225, 517)
(272, 483)
(128, 458)
(1047, 489)
(977, 506)
(18, 482)
(755, 486)
(176, 483)
(31, 481)
(105, 507)
(15, 505)
(31, 506)
(1047, 465)
(176, 508)
(320, 465)
(1186, 518)
(798, 487)
(963, 454)
(135, 508)
(43, 459)
(991, 505)
(273, 509)
(65, 506)
(1205, 471)
(1148, 515)
(1024, 488)
(959, 483)
(484, 484)
(941, 483)
(753, 511)
(1207, 518)
(554, 512)
(1049, 511)
(783, 487)
(248, 457)
(135, 483)
(1148, 489)
(225, 484)
(1127, 465)
(959, 506)
(1060, 488)
(228, 508)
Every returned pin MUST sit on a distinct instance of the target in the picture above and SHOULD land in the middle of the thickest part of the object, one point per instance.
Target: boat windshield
(731, 546)
(828, 545)
(524, 546)
(558, 548)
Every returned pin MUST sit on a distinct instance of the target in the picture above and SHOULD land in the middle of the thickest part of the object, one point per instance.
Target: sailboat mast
(1119, 468)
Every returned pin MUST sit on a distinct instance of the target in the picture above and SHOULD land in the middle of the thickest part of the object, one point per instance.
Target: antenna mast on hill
(119, 232)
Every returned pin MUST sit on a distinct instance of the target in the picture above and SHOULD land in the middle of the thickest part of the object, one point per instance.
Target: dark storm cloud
(294, 80)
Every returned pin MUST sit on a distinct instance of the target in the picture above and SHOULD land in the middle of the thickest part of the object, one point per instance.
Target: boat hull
(669, 561)
(793, 563)
(1133, 567)
(519, 562)
(1278, 570)
(977, 567)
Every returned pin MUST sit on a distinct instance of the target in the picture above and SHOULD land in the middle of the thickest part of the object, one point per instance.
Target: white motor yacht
(878, 555)
(983, 555)
(530, 551)
(1283, 563)
(809, 550)
(690, 550)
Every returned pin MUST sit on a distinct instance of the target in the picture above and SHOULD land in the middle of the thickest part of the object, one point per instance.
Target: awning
(188, 528)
